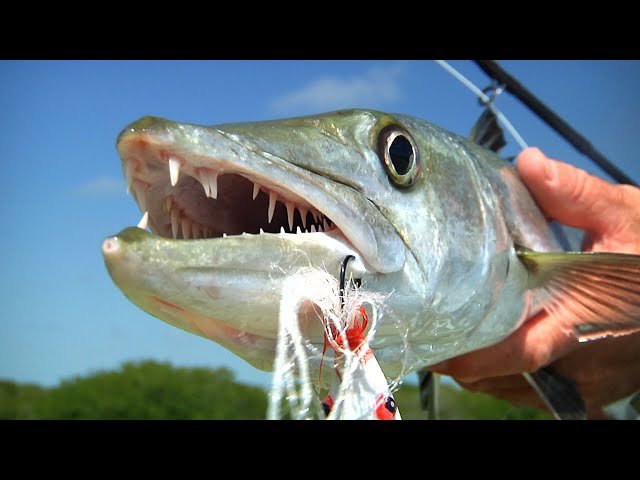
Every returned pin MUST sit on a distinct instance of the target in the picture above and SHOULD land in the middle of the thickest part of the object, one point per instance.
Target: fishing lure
(359, 388)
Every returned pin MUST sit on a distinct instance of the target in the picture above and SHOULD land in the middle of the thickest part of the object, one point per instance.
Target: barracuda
(435, 222)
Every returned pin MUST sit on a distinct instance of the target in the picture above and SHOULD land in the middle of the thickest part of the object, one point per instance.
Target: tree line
(155, 390)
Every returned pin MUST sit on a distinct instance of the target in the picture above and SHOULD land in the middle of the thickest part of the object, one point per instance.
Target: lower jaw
(200, 288)
(257, 349)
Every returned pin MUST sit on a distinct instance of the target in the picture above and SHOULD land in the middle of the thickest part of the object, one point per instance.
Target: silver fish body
(442, 248)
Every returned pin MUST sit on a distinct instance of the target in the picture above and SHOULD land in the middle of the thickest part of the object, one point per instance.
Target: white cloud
(103, 186)
(377, 86)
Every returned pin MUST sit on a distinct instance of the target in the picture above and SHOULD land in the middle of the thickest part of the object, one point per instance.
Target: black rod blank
(581, 144)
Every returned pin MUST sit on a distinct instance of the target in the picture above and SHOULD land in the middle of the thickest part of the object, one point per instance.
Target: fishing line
(485, 100)
(552, 119)
(297, 380)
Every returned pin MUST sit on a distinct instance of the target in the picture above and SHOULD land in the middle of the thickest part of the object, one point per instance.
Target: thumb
(568, 194)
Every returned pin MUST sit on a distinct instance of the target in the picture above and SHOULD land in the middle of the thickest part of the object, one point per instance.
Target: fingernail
(466, 379)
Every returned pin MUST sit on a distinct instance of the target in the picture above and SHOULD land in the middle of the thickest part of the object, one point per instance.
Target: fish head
(236, 208)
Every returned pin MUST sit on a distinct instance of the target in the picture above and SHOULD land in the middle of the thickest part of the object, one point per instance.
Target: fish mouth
(213, 184)
(215, 202)
(230, 221)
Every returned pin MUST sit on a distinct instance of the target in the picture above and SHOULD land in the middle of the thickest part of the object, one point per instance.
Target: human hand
(604, 370)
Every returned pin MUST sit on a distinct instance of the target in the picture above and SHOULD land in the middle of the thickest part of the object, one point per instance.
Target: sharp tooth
(174, 222)
(303, 214)
(290, 211)
(167, 204)
(203, 178)
(224, 235)
(313, 228)
(144, 221)
(186, 228)
(195, 231)
(272, 205)
(298, 231)
(174, 170)
(140, 191)
(282, 230)
(128, 174)
(256, 189)
(261, 231)
(209, 180)
(213, 184)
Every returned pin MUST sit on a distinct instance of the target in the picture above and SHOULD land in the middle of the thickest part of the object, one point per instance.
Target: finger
(518, 392)
(513, 389)
(570, 195)
(494, 384)
(604, 370)
(534, 345)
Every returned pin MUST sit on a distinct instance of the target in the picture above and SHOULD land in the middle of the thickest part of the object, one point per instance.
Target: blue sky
(64, 189)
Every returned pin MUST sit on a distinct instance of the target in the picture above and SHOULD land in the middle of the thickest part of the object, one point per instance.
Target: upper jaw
(187, 176)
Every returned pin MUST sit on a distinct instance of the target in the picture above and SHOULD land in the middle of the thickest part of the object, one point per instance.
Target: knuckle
(628, 196)
(536, 359)
(579, 187)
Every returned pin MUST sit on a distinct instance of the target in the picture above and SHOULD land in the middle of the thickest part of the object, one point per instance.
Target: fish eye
(386, 407)
(399, 153)
(390, 404)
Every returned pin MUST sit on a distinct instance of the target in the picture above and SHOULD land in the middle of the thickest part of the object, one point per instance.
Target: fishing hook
(343, 272)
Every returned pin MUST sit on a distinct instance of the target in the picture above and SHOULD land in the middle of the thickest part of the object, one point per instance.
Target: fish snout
(111, 248)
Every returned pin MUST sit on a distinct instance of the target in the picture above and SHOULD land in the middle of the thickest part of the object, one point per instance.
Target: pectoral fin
(597, 293)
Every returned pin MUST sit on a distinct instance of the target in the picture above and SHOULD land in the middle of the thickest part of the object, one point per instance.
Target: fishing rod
(513, 86)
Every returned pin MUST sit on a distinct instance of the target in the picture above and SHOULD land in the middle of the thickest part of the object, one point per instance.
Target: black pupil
(391, 405)
(401, 152)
